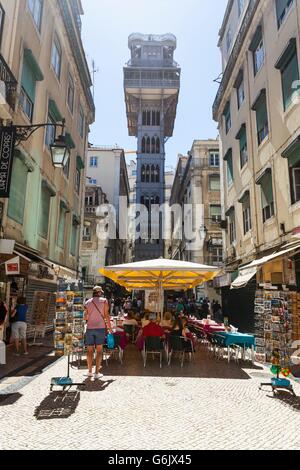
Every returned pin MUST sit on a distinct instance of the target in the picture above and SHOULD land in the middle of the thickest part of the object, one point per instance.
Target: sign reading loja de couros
(7, 145)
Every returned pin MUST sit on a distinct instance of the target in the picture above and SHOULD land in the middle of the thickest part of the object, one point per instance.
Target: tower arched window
(148, 118)
(153, 118)
(143, 173)
(153, 145)
(157, 200)
(158, 118)
(148, 174)
(157, 174)
(144, 118)
(144, 145)
(148, 146)
(157, 145)
(152, 174)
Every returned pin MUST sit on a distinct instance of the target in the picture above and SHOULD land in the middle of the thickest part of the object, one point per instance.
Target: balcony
(152, 63)
(8, 88)
(149, 83)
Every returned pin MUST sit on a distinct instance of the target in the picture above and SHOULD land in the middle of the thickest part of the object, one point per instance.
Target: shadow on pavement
(287, 400)
(58, 405)
(9, 399)
(94, 386)
(204, 366)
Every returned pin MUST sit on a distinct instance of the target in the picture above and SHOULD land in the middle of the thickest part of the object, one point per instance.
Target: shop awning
(246, 273)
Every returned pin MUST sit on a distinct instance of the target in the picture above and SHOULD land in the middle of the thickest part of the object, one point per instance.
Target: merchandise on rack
(69, 323)
(273, 325)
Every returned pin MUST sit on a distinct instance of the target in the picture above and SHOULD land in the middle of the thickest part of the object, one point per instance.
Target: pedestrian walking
(19, 325)
(98, 321)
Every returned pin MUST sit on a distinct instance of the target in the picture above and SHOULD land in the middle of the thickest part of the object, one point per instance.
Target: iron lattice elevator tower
(151, 84)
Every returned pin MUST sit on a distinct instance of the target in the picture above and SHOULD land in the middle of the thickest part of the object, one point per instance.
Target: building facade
(106, 240)
(44, 79)
(151, 82)
(257, 108)
(196, 190)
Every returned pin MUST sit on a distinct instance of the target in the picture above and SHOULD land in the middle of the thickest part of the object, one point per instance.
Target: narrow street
(208, 404)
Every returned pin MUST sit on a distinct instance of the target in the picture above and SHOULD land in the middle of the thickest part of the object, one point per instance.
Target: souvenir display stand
(69, 332)
(273, 331)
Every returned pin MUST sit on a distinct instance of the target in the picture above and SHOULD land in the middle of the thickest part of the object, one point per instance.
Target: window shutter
(28, 80)
(61, 226)
(266, 190)
(290, 74)
(17, 196)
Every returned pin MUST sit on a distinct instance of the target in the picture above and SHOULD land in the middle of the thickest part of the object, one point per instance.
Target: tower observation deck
(151, 85)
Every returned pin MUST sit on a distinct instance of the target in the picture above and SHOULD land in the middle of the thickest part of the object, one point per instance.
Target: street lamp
(60, 152)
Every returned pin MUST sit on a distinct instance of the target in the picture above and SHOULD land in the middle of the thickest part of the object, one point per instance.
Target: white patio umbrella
(160, 274)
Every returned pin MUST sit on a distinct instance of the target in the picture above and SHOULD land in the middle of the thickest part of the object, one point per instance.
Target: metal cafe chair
(130, 330)
(181, 346)
(155, 346)
(117, 350)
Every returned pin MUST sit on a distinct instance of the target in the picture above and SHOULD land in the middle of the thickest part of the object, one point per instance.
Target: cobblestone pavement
(206, 405)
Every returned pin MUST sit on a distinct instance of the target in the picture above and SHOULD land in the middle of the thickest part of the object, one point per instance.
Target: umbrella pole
(161, 299)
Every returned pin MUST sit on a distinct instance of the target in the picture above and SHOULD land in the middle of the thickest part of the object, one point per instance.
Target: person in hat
(98, 321)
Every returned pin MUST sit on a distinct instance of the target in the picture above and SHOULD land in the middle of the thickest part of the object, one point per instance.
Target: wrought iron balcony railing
(10, 83)
(152, 63)
(148, 83)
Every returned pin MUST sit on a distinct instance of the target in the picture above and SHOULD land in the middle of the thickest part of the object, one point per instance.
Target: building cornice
(241, 37)
(78, 51)
(225, 20)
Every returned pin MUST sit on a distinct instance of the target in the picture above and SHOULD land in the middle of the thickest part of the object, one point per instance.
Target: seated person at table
(153, 329)
(180, 327)
(167, 321)
(145, 320)
(130, 320)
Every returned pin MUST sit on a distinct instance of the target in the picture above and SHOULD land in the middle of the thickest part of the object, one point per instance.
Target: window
(245, 201)
(61, 226)
(288, 66)
(241, 94)
(292, 153)
(81, 121)
(215, 213)
(267, 199)
(257, 49)
(56, 56)
(66, 170)
(93, 181)
(282, 8)
(214, 183)
(241, 4)
(228, 159)
(71, 94)
(216, 255)
(26, 104)
(74, 233)
(87, 234)
(242, 137)
(50, 132)
(228, 39)
(44, 212)
(17, 196)
(260, 107)
(227, 117)
(214, 160)
(36, 9)
(77, 181)
(232, 230)
(2, 15)
(94, 162)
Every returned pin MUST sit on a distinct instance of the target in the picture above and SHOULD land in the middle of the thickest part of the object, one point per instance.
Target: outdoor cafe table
(238, 339)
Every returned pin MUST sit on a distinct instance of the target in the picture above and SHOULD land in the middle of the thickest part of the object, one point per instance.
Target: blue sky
(106, 27)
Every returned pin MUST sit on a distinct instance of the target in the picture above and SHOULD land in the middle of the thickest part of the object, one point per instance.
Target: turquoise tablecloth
(240, 339)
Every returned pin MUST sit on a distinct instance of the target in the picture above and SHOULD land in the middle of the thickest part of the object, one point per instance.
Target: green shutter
(17, 196)
(54, 111)
(281, 6)
(215, 211)
(294, 158)
(61, 226)
(229, 171)
(266, 190)
(74, 239)
(243, 138)
(44, 212)
(290, 74)
(28, 80)
(261, 114)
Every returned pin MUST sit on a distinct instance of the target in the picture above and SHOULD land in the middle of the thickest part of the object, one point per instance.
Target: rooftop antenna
(94, 71)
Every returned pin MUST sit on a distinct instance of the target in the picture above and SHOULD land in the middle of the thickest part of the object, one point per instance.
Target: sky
(196, 23)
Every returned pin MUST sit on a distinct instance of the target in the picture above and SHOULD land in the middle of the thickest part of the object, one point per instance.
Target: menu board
(69, 323)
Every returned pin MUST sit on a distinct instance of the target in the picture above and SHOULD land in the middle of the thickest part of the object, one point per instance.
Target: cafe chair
(155, 346)
(181, 346)
(116, 351)
(130, 331)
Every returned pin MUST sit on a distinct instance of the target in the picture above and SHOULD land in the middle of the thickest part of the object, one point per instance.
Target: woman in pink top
(98, 320)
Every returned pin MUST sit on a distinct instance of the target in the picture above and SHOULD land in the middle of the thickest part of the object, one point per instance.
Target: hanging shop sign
(12, 267)
(7, 145)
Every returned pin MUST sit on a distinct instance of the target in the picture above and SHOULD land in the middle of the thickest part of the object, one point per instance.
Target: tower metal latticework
(152, 84)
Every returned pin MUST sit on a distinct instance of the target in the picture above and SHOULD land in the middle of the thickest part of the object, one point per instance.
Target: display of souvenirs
(41, 307)
(273, 326)
(69, 323)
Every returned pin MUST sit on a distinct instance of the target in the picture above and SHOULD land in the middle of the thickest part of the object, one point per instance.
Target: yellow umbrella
(161, 274)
